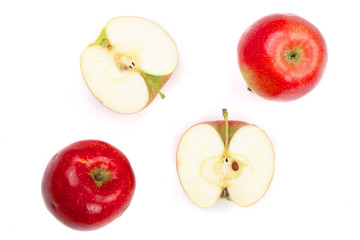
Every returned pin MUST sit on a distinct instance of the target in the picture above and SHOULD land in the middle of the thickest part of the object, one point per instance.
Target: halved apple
(129, 63)
(225, 159)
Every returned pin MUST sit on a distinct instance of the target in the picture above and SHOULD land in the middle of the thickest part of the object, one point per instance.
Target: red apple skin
(220, 127)
(282, 57)
(72, 194)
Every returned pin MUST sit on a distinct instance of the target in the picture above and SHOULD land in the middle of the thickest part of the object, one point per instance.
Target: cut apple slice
(225, 159)
(199, 151)
(253, 146)
(129, 63)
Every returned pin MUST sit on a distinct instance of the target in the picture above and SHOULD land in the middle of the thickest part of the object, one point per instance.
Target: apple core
(225, 159)
(124, 62)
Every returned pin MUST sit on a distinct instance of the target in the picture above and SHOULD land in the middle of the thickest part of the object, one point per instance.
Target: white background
(45, 105)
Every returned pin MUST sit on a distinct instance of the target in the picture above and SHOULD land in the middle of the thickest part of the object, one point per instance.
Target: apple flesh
(88, 184)
(282, 57)
(230, 160)
(129, 63)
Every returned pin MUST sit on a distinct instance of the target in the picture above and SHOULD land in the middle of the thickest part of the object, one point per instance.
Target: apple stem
(100, 176)
(293, 55)
(149, 80)
(160, 93)
(225, 114)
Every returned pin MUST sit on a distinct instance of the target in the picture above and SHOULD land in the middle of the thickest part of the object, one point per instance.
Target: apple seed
(235, 166)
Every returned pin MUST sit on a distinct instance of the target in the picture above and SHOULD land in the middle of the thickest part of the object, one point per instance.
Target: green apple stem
(160, 93)
(100, 176)
(225, 114)
(150, 81)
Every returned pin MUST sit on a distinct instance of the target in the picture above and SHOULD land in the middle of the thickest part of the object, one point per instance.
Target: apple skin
(220, 127)
(155, 84)
(282, 57)
(72, 194)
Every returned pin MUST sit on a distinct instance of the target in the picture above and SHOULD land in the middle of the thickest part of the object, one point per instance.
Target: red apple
(88, 184)
(282, 57)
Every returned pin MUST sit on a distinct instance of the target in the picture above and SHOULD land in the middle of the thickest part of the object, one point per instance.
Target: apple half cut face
(129, 63)
(232, 160)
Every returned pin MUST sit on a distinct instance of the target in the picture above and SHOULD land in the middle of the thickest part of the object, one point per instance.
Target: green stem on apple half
(236, 164)
(225, 114)
(103, 41)
(150, 81)
(225, 194)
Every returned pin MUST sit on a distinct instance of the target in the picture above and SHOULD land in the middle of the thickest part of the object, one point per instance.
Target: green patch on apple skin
(246, 73)
(155, 83)
(248, 77)
(102, 40)
(233, 128)
(226, 129)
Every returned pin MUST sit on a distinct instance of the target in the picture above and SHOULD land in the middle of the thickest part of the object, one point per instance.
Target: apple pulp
(88, 184)
(282, 57)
